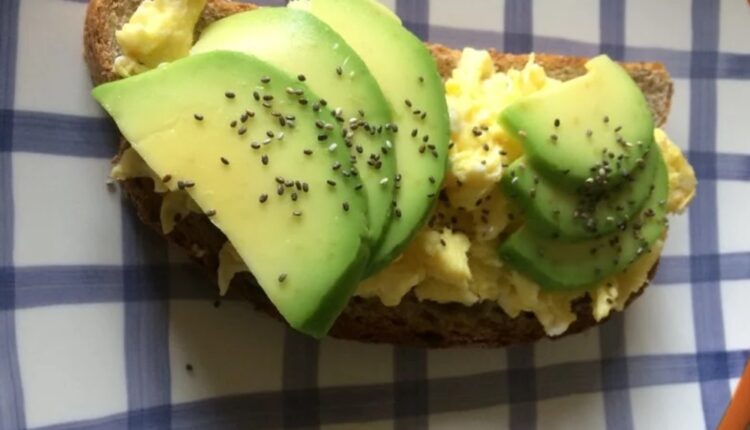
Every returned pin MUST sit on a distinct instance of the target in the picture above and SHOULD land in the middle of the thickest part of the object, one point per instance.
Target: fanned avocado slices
(305, 47)
(581, 264)
(409, 79)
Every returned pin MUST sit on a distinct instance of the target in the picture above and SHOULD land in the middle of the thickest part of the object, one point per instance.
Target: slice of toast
(412, 322)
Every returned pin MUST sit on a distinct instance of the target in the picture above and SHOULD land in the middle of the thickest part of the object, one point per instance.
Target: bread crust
(412, 323)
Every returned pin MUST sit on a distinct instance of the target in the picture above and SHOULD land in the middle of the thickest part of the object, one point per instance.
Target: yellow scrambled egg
(454, 258)
(158, 32)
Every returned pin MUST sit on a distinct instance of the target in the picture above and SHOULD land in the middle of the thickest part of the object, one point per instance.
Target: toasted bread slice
(412, 322)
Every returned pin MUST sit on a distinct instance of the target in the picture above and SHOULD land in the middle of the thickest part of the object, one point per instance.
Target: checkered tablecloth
(102, 326)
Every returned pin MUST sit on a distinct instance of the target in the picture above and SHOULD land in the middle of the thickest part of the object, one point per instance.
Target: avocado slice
(408, 76)
(558, 265)
(304, 47)
(221, 126)
(585, 213)
(569, 130)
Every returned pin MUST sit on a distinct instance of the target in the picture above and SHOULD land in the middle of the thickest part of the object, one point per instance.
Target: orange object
(737, 416)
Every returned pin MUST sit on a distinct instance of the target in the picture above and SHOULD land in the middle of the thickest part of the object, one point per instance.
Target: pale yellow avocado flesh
(190, 121)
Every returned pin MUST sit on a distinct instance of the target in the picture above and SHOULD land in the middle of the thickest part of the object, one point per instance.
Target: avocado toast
(412, 321)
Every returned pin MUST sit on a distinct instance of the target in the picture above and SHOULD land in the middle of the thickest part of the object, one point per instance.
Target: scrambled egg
(159, 31)
(454, 258)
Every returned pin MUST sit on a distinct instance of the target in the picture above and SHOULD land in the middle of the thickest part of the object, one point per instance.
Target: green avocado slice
(222, 127)
(306, 48)
(569, 131)
(584, 213)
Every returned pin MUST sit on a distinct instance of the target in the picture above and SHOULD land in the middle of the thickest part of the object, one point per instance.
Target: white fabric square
(390, 4)
(732, 126)
(678, 122)
(460, 362)
(667, 407)
(370, 425)
(581, 411)
(734, 206)
(231, 349)
(484, 15)
(64, 213)
(734, 31)
(496, 417)
(578, 347)
(678, 237)
(344, 362)
(735, 298)
(72, 362)
(567, 19)
(658, 24)
(661, 322)
(51, 75)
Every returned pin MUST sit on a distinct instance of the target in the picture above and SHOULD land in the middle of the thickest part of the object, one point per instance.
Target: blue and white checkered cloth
(104, 327)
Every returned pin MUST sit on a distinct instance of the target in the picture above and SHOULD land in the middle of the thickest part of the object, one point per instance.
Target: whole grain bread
(412, 322)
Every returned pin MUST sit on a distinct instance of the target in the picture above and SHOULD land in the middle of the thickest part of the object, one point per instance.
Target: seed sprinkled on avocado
(282, 277)
(233, 124)
(606, 119)
(263, 198)
(264, 160)
(229, 95)
(224, 161)
(297, 213)
(185, 184)
(345, 205)
(166, 178)
(301, 77)
(557, 122)
(339, 71)
(331, 182)
(198, 117)
(407, 102)
(210, 213)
